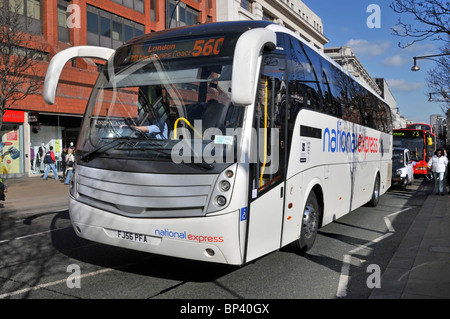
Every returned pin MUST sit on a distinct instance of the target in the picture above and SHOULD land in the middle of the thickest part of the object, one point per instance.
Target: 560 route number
(207, 47)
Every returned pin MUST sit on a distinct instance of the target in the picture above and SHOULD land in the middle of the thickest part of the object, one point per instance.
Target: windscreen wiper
(202, 164)
(102, 149)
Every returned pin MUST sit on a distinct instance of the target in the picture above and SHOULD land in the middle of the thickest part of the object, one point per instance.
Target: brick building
(32, 123)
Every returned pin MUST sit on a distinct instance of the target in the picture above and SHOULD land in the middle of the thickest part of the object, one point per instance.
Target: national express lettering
(184, 235)
(340, 140)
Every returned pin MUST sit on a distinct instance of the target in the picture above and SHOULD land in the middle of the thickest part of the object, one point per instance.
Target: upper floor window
(247, 5)
(267, 17)
(29, 53)
(180, 14)
(109, 30)
(63, 30)
(137, 5)
(153, 10)
(30, 10)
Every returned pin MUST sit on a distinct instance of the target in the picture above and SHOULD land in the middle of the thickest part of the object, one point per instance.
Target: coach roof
(199, 29)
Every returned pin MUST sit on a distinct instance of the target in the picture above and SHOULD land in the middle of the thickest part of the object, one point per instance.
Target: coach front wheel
(309, 225)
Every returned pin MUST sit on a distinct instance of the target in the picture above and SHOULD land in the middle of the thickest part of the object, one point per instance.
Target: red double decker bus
(419, 126)
(421, 143)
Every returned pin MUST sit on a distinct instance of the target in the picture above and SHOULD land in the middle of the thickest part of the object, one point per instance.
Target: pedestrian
(63, 162)
(50, 160)
(438, 164)
(3, 190)
(447, 152)
(40, 157)
(69, 160)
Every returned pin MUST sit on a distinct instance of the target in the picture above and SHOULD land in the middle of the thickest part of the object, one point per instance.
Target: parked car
(402, 167)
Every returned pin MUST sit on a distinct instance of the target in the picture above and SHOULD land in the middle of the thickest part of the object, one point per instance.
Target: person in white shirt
(438, 164)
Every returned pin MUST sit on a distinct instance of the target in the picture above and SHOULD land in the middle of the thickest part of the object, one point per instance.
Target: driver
(154, 130)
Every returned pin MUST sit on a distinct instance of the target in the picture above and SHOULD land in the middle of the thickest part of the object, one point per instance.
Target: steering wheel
(139, 132)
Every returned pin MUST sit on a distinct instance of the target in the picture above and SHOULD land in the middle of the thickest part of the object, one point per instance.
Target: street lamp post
(430, 99)
(416, 68)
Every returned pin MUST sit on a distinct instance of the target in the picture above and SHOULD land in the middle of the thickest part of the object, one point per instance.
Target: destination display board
(407, 133)
(186, 48)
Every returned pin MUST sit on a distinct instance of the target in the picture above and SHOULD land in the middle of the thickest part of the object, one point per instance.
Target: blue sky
(345, 23)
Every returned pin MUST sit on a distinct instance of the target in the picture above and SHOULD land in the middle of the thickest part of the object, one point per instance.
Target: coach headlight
(225, 186)
(221, 194)
(399, 172)
(221, 200)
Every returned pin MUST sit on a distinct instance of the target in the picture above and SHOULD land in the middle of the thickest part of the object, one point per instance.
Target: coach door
(267, 165)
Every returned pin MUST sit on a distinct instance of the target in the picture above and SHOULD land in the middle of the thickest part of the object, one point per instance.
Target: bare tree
(439, 81)
(433, 17)
(19, 56)
(433, 22)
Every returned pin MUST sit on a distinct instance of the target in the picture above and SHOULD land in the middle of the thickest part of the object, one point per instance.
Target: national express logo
(344, 140)
(184, 235)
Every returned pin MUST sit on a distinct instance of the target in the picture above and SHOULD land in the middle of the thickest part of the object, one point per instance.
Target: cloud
(403, 86)
(396, 60)
(428, 48)
(366, 48)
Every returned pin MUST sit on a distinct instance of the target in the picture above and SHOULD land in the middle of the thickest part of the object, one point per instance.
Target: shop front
(60, 131)
(12, 157)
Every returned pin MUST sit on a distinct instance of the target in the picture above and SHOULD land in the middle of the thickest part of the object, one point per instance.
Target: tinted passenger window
(302, 79)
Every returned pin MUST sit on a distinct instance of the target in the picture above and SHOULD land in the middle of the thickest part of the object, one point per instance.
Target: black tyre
(375, 193)
(310, 225)
(405, 183)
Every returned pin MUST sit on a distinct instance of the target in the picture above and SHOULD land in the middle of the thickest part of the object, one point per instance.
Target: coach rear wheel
(376, 193)
(309, 225)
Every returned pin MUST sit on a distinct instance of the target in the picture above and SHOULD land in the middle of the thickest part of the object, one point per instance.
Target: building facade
(292, 14)
(438, 124)
(347, 59)
(59, 24)
(398, 121)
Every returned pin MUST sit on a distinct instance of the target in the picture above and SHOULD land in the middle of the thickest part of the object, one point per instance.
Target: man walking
(438, 164)
(50, 160)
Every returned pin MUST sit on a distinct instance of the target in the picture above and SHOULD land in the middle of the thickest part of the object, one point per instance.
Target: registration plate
(138, 238)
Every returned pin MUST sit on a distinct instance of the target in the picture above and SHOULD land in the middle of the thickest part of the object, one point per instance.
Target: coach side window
(333, 103)
(302, 78)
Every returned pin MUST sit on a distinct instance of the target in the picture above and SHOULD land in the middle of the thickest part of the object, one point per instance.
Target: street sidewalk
(33, 195)
(420, 268)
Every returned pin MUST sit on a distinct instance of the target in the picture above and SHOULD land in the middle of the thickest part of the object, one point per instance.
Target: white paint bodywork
(61, 58)
(345, 180)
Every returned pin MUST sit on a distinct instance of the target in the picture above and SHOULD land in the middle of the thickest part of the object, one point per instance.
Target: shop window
(11, 149)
